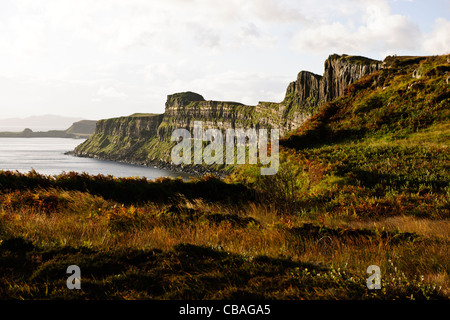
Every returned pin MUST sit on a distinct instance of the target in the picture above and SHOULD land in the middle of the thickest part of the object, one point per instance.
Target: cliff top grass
(184, 97)
(133, 117)
(144, 114)
(353, 59)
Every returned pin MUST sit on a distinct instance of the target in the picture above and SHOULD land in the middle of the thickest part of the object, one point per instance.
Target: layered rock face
(182, 109)
(311, 90)
(340, 71)
(145, 139)
(135, 126)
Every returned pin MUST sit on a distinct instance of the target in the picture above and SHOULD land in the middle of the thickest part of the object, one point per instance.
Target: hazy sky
(104, 58)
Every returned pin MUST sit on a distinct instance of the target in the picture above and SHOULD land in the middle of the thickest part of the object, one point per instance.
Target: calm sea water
(46, 156)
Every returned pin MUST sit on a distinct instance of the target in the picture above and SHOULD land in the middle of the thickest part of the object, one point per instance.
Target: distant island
(38, 122)
(82, 129)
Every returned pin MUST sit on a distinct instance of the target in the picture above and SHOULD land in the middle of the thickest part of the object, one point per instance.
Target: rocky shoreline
(195, 170)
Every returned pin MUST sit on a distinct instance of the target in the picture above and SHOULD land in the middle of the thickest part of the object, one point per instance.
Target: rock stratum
(145, 138)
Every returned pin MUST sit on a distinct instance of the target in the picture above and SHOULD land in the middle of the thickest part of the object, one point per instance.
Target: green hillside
(408, 95)
(385, 142)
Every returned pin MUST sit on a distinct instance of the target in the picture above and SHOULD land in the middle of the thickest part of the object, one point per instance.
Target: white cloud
(251, 35)
(204, 36)
(378, 30)
(23, 36)
(276, 10)
(111, 92)
(438, 42)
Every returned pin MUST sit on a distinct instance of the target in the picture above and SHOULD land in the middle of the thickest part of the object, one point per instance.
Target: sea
(47, 156)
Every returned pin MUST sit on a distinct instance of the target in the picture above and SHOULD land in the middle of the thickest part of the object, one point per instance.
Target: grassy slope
(386, 141)
(364, 182)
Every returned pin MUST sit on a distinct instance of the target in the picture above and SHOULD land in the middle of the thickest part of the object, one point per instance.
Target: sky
(107, 58)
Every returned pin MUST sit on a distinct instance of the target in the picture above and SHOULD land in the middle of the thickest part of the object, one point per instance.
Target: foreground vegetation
(192, 247)
(364, 182)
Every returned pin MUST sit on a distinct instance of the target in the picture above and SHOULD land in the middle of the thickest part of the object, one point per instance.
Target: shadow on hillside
(370, 179)
(129, 190)
(321, 136)
(186, 272)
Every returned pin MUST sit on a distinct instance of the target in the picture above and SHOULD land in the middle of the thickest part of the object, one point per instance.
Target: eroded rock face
(306, 89)
(312, 90)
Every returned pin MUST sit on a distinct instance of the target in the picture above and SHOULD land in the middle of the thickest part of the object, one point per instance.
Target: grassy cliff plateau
(145, 139)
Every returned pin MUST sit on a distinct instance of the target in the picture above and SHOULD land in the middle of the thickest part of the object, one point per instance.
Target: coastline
(195, 170)
(41, 134)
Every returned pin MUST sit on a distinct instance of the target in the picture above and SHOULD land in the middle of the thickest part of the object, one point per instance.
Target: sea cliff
(145, 138)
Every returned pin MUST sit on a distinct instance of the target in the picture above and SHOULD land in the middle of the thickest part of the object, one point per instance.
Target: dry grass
(146, 227)
(433, 229)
